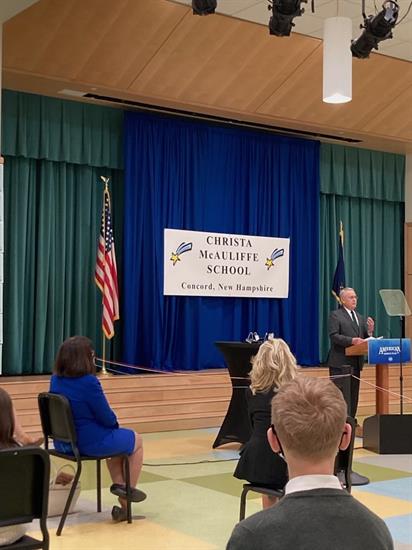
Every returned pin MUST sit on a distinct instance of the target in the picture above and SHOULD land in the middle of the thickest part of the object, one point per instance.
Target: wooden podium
(381, 378)
(384, 433)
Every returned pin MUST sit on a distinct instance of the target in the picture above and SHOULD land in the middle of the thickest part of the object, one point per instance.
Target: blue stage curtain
(195, 176)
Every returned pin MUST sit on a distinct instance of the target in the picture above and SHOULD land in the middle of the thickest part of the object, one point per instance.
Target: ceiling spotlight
(376, 28)
(203, 7)
(283, 13)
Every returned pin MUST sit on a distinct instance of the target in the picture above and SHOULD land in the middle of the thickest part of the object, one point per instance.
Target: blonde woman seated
(273, 366)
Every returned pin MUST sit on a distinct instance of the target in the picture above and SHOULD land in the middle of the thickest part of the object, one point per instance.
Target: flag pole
(104, 370)
(106, 272)
(339, 278)
(105, 180)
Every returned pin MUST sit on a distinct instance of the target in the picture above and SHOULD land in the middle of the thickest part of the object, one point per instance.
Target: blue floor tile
(396, 488)
(401, 528)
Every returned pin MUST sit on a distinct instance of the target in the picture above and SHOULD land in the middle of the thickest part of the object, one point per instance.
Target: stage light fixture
(283, 13)
(375, 29)
(204, 7)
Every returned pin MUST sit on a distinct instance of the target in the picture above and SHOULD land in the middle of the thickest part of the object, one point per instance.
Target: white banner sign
(198, 263)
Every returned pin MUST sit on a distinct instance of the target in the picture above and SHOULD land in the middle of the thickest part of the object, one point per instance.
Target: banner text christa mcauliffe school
(198, 263)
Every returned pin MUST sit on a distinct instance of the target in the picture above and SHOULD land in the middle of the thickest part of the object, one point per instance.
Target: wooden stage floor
(180, 400)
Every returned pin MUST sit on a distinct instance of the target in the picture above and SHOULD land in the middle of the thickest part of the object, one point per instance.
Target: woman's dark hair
(75, 358)
(6, 421)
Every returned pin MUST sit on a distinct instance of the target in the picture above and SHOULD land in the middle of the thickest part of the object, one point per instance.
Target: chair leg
(45, 533)
(348, 479)
(99, 484)
(69, 498)
(128, 488)
(242, 511)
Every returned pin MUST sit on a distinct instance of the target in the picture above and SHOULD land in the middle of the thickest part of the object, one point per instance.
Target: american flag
(106, 270)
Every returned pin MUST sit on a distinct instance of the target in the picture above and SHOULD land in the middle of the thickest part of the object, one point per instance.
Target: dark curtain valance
(361, 173)
(39, 127)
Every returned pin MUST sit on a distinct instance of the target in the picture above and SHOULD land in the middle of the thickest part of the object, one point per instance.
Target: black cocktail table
(236, 426)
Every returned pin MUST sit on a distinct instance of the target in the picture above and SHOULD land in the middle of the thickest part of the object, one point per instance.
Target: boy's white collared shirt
(309, 482)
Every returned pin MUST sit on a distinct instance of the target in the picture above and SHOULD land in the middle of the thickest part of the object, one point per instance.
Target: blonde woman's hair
(309, 416)
(272, 366)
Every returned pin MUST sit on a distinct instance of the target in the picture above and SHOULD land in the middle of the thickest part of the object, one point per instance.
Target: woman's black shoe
(120, 491)
(119, 514)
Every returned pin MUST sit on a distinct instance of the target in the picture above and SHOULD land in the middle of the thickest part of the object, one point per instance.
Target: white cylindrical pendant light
(337, 60)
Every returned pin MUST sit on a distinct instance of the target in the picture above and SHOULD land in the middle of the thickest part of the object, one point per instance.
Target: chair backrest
(24, 485)
(343, 462)
(56, 418)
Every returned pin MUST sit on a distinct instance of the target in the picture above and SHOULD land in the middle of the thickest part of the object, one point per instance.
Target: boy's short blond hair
(309, 416)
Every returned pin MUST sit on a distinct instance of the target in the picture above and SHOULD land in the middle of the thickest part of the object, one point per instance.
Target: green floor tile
(377, 473)
(148, 477)
(189, 470)
(224, 483)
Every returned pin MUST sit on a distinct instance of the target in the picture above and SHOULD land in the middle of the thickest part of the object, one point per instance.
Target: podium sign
(387, 351)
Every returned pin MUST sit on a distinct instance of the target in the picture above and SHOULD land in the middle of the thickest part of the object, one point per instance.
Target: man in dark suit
(347, 328)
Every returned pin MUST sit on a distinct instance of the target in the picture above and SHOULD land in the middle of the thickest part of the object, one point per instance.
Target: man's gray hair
(344, 290)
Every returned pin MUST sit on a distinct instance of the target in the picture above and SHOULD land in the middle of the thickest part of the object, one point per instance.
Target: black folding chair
(57, 424)
(24, 490)
(343, 466)
(343, 462)
(256, 489)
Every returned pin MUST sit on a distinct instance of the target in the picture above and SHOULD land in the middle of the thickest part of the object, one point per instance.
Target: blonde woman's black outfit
(258, 464)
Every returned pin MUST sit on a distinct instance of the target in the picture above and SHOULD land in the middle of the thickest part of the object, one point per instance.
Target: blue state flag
(339, 276)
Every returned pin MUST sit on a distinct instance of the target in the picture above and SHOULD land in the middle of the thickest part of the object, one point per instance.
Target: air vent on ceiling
(72, 93)
(220, 120)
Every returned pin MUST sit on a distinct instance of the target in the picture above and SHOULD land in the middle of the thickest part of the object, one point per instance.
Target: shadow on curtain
(200, 177)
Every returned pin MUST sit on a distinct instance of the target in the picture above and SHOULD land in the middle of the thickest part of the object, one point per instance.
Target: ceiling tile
(403, 31)
(308, 24)
(236, 7)
(401, 50)
(256, 12)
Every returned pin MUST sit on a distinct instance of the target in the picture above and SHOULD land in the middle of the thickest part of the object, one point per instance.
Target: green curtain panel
(41, 127)
(362, 173)
(364, 189)
(56, 152)
(52, 215)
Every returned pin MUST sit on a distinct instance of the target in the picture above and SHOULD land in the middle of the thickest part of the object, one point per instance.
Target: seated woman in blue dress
(272, 366)
(97, 429)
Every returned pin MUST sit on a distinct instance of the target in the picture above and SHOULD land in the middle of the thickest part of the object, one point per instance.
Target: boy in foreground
(309, 427)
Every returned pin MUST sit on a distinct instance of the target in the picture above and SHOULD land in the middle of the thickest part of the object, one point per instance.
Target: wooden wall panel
(130, 42)
(98, 41)
(373, 82)
(408, 275)
(408, 248)
(156, 51)
(224, 64)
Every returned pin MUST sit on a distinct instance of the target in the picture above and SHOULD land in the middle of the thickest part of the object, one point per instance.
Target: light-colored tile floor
(193, 499)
